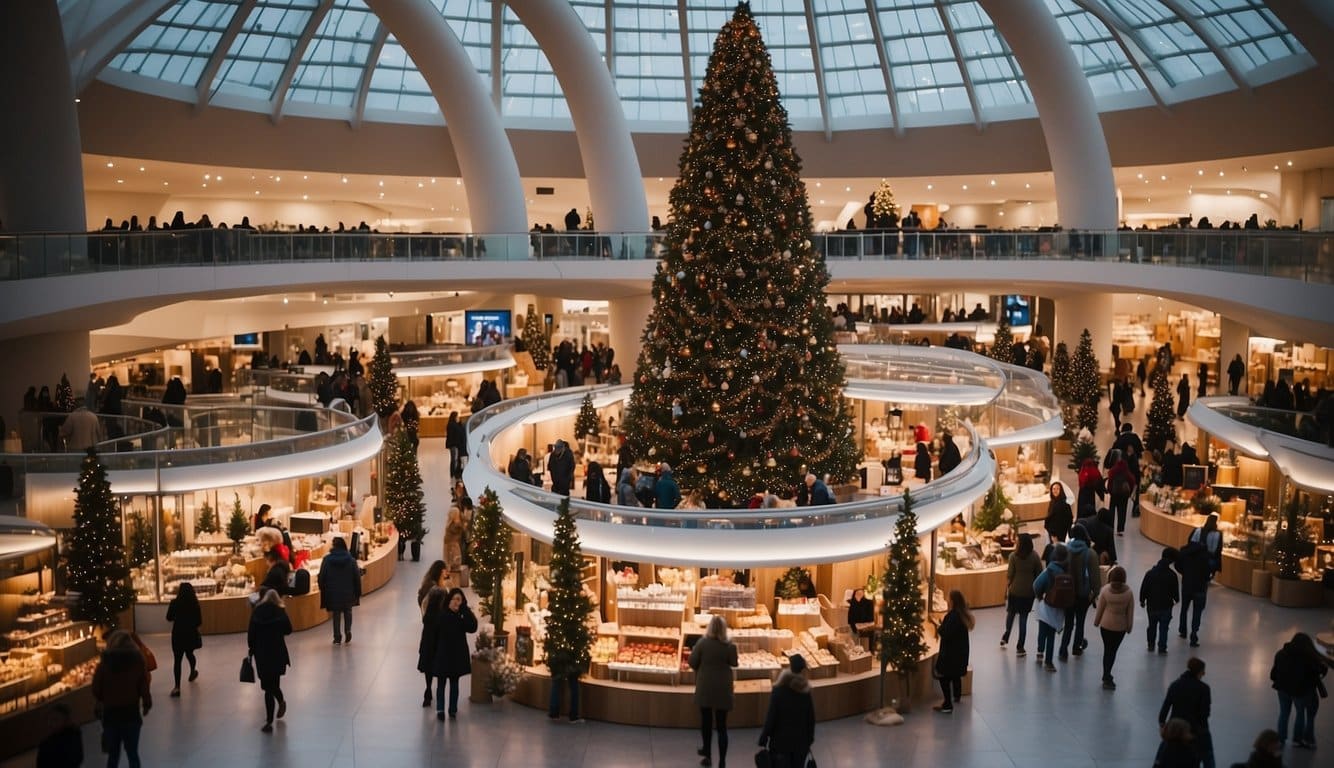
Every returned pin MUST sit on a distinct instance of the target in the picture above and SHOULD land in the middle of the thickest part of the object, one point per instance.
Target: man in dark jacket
(560, 465)
(340, 588)
(789, 725)
(1101, 536)
(667, 491)
(1188, 698)
(1157, 595)
(1193, 565)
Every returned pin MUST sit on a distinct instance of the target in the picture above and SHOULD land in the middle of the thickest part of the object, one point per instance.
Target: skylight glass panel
(1246, 28)
(397, 85)
(334, 63)
(1170, 43)
(1098, 52)
(528, 86)
(177, 45)
(471, 22)
(647, 64)
(922, 64)
(255, 62)
(854, 82)
(996, 79)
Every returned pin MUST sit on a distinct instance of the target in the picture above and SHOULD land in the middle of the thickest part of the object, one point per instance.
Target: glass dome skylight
(842, 64)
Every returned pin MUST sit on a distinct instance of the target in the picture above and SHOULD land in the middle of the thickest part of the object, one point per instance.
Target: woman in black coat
(185, 617)
(922, 464)
(949, 455)
(789, 725)
(952, 661)
(432, 605)
(1059, 516)
(596, 487)
(269, 625)
(452, 660)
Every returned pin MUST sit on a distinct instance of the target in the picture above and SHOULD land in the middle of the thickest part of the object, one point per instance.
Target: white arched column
(611, 165)
(626, 318)
(486, 160)
(1080, 161)
(41, 168)
(1086, 310)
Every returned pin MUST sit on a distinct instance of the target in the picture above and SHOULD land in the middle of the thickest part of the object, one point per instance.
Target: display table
(224, 615)
(983, 588)
(1174, 531)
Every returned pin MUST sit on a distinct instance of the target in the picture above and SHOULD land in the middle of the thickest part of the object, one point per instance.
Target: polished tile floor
(358, 704)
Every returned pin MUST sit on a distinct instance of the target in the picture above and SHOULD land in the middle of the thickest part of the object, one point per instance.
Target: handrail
(1303, 256)
(36, 427)
(479, 438)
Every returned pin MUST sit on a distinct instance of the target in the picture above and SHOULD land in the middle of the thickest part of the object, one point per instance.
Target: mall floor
(359, 704)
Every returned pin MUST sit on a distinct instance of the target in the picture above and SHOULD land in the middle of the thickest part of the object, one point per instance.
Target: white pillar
(1234, 339)
(37, 361)
(1086, 310)
(626, 318)
(41, 168)
(1080, 161)
(611, 165)
(486, 160)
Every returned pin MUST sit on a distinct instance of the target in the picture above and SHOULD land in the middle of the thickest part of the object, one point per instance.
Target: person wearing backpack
(1211, 538)
(1055, 590)
(1157, 595)
(1193, 564)
(1121, 486)
(1083, 569)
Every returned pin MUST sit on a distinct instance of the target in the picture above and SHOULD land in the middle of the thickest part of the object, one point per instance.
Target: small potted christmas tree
(1085, 383)
(403, 494)
(1160, 425)
(535, 340)
(901, 643)
(207, 522)
(238, 525)
(586, 423)
(568, 638)
(1002, 346)
(492, 542)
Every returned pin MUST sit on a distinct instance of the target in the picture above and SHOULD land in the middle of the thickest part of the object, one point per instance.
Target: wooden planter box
(1297, 593)
(1261, 582)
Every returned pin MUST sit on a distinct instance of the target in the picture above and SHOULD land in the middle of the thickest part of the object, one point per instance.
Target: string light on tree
(1085, 384)
(884, 207)
(65, 396)
(403, 496)
(1160, 423)
(586, 423)
(97, 569)
(535, 339)
(739, 300)
(1002, 347)
(492, 541)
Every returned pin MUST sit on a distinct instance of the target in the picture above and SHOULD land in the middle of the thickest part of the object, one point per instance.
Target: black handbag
(762, 759)
(247, 670)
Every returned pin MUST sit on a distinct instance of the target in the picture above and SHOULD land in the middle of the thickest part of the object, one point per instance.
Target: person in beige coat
(713, 658)
(1115, 618)
(81, 430)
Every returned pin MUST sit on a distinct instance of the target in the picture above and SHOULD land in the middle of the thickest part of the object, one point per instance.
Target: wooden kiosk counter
(225, 615)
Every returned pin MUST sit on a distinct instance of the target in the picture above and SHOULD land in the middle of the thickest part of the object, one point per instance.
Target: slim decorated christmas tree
(96, 551)
(901, 644)
(382, 381)
(1060, 370)
(141, 539)
(1002, 347)
(535, 339)
(586, 423)
(65, 395)
(1160, 425)
(492, 540)
(739, 383)
(884, 207)
(238, 525)
(207, 522)
(1085, 384)
(568, 638)
(403, 496)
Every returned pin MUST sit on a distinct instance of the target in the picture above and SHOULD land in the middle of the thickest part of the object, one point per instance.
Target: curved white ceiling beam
(611, 164)
(817, 58)
(364, 84)
(1208, 37)
(873, 13)
(1080, 160)
(486, 159)
(963, 63)
(1130, 46)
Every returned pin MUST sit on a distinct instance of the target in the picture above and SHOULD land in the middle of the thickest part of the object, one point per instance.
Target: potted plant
(494, 673)
(901, 643)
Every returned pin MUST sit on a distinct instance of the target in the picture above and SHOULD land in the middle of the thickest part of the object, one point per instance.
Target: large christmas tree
(65, 401)
(535, 339)
(1084, 383)
(403, 496)
(739, 382)
(586, 423)
(382, 381)
(1160, 425)
(568, 638)
(901, 644)
(96, 551)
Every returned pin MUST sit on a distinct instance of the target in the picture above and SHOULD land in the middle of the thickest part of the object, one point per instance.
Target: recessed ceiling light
(1276, 167)
(284, 299)
(1289, 163)
(110, 164)
(208, 176)
(1200, 172)
(930, 187)
(1229, 191)
(1220, 173)
(257, 191)
(1139, 175)
(203, 184)
(1002, 213)
(1026, 185)
(965, 186)
(277, 178)
(1264, 195)
(993, 182)
(305, 197)
(817, 185)
(326, 301)
(217, 178)
(304, 177)
(821, 202)
(847, 189)
(1162, 178)
(120, 181)
(76, 101)
(344, 179)
(141, 169)
(166, 183)
(458, 182)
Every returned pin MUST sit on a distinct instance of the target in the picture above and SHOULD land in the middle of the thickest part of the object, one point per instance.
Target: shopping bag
(247, 670)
